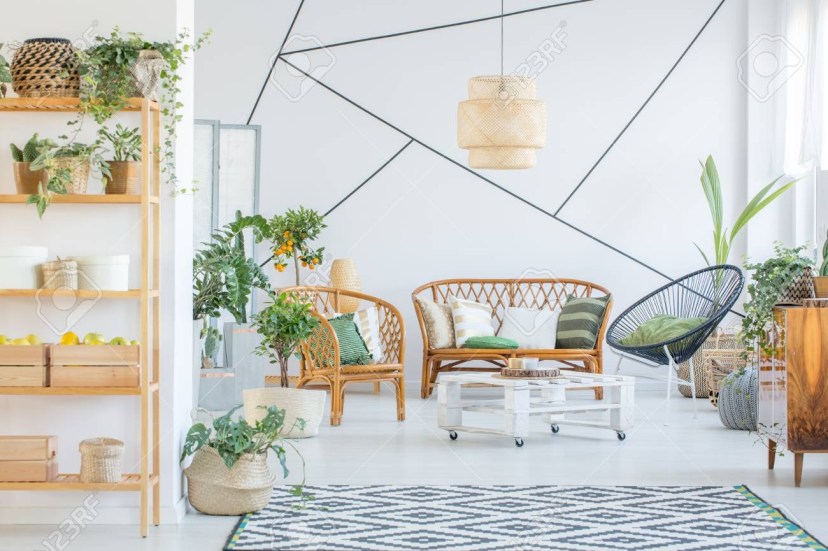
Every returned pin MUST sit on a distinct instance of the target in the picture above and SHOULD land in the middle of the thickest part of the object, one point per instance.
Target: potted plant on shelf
(229, 473)
(125, 166)
(291, 234)
(26, 179)
(5, 74)
(821, 280)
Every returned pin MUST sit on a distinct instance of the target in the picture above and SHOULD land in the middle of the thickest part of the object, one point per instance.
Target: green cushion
(661, 328)
(352, 349)
(490, 342)
(580, 322)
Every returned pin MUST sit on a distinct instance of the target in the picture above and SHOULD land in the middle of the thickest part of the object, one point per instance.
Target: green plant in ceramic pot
(291, 234)
(224, 278)
(229, 473)
(27, 180)
(722, 237)
(284, 324)
(5, 74)
(770, 281)
(125, 166)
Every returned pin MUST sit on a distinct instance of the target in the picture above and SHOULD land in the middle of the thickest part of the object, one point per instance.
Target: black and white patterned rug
(584, 518)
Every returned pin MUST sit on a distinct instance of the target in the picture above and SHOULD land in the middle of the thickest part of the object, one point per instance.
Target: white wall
(100, 230)
(423, 218)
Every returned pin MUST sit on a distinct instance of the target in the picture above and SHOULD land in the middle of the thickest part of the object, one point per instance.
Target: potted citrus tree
(229, 474)
(291, 234)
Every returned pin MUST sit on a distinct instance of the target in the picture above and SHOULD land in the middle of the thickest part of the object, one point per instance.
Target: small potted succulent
(821, 280)
(229, 473)
(125, 166)
(26, 179)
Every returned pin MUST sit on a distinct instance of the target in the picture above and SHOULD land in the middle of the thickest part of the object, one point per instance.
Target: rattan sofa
(499, 294)
(320, 353)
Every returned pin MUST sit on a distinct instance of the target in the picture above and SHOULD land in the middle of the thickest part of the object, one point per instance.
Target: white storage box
(20, 267)
(104, 273)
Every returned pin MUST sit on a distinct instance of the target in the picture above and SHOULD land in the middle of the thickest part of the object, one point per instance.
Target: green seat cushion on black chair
(490, 342)
(661, 328)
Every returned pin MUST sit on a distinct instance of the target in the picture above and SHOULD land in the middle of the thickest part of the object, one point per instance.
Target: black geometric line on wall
(480, 176)
(275, 59)
(640, 109)
(434, 28)
(368, 179)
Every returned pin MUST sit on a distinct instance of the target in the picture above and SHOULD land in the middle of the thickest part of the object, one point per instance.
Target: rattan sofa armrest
(321, 348)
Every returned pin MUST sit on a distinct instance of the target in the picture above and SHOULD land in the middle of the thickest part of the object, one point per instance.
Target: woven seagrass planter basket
(79, 169)
(216, 490)
(45, 67)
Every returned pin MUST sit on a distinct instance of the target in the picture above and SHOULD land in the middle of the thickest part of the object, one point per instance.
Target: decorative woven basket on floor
(102, 460)
(79, 173)
(299, 404)
(216, 490)
(45, 67)
(738, 400)
(721, 339)
(60, 274)
(718, 364)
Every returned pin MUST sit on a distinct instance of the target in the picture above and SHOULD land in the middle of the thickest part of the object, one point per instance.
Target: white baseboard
(106, 515)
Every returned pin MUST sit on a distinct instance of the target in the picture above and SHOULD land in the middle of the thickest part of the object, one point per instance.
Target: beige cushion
(471, 319)
(438, 323)
(367, 322)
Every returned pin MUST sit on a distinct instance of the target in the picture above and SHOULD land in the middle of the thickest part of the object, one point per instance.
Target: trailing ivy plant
(770, 280)
(5, 74)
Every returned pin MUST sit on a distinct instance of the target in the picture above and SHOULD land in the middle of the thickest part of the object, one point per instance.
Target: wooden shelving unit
(147, 480)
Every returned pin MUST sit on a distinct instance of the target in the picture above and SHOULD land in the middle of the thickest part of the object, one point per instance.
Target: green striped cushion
(490, 342)
(352, 349)
(580, 322)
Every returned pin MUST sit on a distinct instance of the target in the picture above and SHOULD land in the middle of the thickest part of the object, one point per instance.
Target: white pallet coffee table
(549, 401)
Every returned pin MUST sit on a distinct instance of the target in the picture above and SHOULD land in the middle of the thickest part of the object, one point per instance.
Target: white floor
(370, 447)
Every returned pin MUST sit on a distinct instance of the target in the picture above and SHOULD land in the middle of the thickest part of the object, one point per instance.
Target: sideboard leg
(798, 457)
(771, 454)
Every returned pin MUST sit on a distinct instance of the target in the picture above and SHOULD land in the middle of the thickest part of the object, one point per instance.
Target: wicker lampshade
(344, 276)
(501, 124)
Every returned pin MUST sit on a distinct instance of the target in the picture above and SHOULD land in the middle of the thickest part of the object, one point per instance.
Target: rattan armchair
(320, 353)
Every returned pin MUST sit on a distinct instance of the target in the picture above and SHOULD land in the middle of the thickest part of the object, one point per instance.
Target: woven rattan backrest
(499, 294)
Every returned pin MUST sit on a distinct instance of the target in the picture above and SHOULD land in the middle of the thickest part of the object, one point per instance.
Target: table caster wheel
(452, 435)
(555, 429)
(621, 435)
(519, 442)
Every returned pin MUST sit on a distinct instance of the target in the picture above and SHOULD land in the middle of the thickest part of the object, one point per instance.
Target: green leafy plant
(31, 149)
(823, 268)
(722, 237)
(291, 234)
(125, 142)
(770, 280)
(224, 277)
(5, 74)
(284, 324)
(107, 82)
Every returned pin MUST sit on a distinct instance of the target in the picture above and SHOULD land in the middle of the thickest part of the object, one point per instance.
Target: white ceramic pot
(20, 267)
(103, 273)
(297, 403)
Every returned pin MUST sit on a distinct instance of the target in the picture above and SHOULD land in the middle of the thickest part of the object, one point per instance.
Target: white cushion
(471, 319)
(367, 322)
(534, 329)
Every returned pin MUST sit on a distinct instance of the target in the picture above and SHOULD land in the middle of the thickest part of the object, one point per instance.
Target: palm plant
(722, 237)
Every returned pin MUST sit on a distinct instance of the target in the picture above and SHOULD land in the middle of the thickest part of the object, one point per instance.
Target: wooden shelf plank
(80, 199)
(71, 482)
(48, 293)
(60, 104)
(73, 391)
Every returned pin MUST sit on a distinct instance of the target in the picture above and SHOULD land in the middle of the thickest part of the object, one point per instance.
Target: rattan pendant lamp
(502, 123)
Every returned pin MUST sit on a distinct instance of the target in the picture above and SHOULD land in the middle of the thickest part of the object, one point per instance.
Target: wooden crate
(24, 355)
(27, 448)
(95, 376)
(24, 375)
(88, 355)
(43, 470)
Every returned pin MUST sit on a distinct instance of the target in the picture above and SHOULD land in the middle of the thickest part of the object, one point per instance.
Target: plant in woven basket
(5, 74)
(770, 280)
(108, 80)
(284, 324)
(291, 234)
(224, 278)
(722, 237)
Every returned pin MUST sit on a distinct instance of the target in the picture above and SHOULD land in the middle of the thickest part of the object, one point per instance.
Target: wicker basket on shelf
(60, 274)
(102, 460)
(45, 67)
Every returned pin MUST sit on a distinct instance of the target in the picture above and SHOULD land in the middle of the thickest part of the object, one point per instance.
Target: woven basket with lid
(102, 460)
(45, 67)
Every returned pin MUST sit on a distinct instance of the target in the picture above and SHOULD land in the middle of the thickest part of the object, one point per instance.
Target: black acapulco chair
(708, 293)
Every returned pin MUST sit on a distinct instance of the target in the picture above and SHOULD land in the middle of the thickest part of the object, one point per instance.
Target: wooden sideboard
(793, 385)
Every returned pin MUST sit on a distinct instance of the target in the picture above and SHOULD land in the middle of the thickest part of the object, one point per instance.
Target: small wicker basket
(60, 274)
(102, 460)
(45, 67)
(79, 169)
